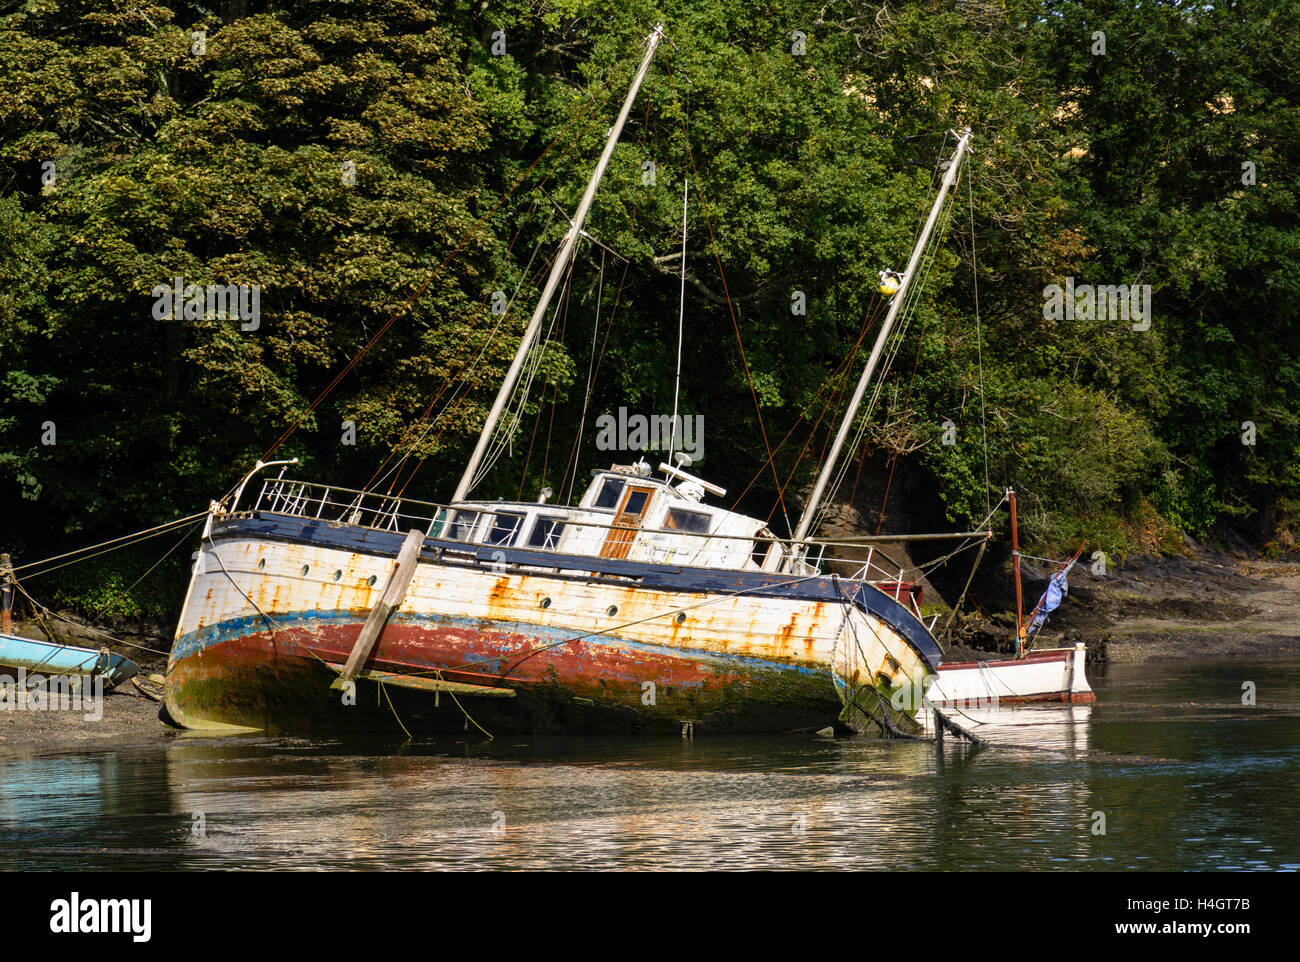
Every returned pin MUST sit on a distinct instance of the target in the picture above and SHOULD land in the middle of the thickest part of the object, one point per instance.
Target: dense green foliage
(135, 149)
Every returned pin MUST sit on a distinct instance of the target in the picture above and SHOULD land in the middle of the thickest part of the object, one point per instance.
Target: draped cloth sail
(1056, 591)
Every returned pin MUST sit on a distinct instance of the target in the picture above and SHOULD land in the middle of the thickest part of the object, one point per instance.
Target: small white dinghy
(1053, 674)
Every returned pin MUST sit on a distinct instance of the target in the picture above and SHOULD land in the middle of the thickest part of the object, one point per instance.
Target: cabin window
(635, 503)
(504, 529)
(462, 525)
(609, 493)
(546, 534)
(696, 522)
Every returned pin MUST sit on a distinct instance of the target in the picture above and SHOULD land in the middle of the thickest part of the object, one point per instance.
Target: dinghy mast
(561, 264)
(899, 297)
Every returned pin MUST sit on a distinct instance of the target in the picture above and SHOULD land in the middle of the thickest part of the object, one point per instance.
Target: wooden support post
(394, 590)
(6, 594)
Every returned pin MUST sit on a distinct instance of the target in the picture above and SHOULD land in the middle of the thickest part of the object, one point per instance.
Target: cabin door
(627, 521)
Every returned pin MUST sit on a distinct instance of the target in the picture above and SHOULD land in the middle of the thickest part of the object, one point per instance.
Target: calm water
(1185, 776)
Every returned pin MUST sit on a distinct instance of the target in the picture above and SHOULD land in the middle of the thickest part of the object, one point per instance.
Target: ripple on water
(1162, 783)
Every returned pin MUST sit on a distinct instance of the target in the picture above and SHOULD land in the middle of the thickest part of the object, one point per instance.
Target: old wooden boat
(642, 607)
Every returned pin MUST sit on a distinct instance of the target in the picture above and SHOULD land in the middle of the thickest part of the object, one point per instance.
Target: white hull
(1055, 674)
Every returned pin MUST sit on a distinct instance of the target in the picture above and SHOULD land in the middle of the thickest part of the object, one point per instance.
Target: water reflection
(1179, 785)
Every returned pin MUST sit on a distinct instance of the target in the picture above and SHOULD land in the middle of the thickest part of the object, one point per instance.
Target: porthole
(338, 573)
(545, 603)
(261, 563)
(371, 580)
(612, 610)
(306, 568)
(681, 617)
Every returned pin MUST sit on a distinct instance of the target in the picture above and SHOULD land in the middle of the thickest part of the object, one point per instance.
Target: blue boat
(56, 659)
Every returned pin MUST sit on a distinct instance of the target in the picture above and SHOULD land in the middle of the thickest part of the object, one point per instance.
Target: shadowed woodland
(381, 170)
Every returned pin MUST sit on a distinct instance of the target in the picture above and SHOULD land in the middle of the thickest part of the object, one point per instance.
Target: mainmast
(819, 489)
(561, 263)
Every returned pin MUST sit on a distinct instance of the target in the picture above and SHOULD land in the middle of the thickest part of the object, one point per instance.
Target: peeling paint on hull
(598, 653)
(274, 683)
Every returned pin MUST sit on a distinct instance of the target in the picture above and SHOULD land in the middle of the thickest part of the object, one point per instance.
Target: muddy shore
(1158, 609)
(1145, 610)
(124, 720)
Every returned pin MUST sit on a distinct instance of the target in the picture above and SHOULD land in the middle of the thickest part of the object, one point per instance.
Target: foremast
(823, 479)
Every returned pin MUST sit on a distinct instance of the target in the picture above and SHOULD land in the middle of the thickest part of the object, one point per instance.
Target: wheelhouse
(625, 513)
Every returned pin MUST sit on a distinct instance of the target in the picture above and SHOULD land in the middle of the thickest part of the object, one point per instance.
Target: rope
(125, 540)
(1034, 557)
(384, 691)
(269, 620)
(185, 537)
(468, 716)
(947, 625)
(94, 631)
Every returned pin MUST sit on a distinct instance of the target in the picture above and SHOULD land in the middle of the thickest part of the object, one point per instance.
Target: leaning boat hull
(282, 683)
(277, 603)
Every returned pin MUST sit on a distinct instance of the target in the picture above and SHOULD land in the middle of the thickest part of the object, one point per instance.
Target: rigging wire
(592, 108)
(731, 310)
(519, 397)
(460, 393)
(462, 384)
(834, 378)
(470, 364)
(873, 311)
(482, 473)
(114, 544)
(920, 342)
(915, 291)
(905, 315)
(681, 317)
(911, 299)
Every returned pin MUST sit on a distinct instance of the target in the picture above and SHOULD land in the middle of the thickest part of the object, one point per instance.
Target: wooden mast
(1015, 561)
(558, 268)
(819, 489)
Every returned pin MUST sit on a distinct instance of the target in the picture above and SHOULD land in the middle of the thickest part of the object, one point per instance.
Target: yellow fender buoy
(890, 282)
